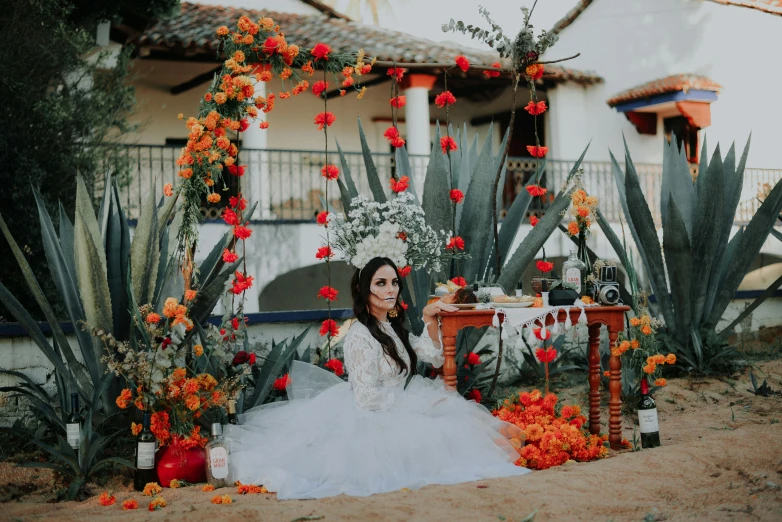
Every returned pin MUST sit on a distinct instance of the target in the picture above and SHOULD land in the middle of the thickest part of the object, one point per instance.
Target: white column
(416, 87)
(256, 182)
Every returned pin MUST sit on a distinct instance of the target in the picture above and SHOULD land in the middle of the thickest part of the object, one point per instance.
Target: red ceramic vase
(176, 462)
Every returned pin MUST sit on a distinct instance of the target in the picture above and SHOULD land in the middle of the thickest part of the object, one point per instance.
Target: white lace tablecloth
(516, 319)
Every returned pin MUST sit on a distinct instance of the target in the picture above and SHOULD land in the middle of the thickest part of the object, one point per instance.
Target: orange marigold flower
(186, 173)
(660, 382)
(152, 488)
(536, 190)
(329, 172)
(634, 321)
(168, 190)
(222, 30)
(401, 185)
(445, 98)
(456, 195)
(572, 228)
(448, 144)
(670, 359)
(493, 74)
(170, 307)
(646, 330)
(135, 429)
(650, 368)
(319, 87)
(328, 293)
(324, 119)
(157, 503)
(130, 504)
(207, 487)
(192, 402)
(582, 211)
(198, 350)
(190, 294)
(463, 62)
(336, 366)
(455, 243)
(307, 68)
(152, 318)
(106, 500)
(535, 71)
(348, 82)
(213, 197)
(329, 327)
(342, 92)
(396, 72)
(606, 373)
(535, 108)
(634, 344)
(174, 484)
(537, 152)
(124, 398)
(321, 51)
(398, 101)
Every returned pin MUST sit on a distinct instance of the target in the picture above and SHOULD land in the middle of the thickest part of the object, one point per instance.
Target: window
(685, 134)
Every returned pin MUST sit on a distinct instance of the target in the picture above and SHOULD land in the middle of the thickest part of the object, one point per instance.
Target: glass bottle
(74, 424)
(145, 456)
(647, 418)
(217, 455)
(232, 412)
(572, 271)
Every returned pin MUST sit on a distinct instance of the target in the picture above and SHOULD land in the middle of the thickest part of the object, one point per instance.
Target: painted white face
(383, 291)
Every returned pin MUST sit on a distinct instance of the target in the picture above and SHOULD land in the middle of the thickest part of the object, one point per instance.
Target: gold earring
(393, 312)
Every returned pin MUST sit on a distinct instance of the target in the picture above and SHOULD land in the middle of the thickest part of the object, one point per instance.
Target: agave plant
(698, 267)
(473, 173)
(94, 264)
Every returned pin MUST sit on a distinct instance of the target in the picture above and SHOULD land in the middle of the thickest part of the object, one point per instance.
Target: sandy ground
(721, 460)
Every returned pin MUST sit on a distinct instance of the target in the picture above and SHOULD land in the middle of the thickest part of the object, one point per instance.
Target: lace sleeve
(426, 350)
(362, 358)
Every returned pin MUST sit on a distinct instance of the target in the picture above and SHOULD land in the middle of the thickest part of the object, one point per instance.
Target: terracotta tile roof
(191, 35)
(677, 82)
(767, 6)
(571, 16)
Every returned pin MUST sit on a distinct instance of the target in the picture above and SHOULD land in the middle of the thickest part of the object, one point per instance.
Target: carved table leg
(449, 366)
(594, 379)
(615, 400)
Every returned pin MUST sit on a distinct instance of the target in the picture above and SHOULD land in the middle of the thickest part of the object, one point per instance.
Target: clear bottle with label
(572, 271)
(74, 425)
(217, 458)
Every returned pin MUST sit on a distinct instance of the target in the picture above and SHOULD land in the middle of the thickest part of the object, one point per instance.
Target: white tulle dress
(370, 434)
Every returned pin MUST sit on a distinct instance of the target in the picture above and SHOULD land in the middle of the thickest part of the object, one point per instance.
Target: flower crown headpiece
(395, 229)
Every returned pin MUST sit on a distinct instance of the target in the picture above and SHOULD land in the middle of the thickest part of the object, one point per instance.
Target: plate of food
(464, 306)
(520, 304)
(507, 301)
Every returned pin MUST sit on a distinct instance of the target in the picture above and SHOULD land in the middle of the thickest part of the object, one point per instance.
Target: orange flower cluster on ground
(551, 439)
(244, 489)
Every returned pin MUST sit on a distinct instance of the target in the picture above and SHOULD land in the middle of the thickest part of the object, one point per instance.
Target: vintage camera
(606, 287)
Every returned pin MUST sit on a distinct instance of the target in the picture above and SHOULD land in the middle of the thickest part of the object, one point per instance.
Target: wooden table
(611, 316)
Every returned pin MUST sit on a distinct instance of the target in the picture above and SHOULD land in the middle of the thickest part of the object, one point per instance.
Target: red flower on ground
(106, 500)
(405, 271)
(229, 257)
(493, 74)
(456, 195)
(321, 51)
(282, 382)
(455, 243)
(539, 333)
(473, 359)
(475, 395)
(445, 98)
(537, 152)
(398, 101)
(324, 252)
(242, 232)
(401, 185)
(323, 218)
(318, 87)
(329, 327)
(336, 366)
(535, 108)
(545, 356)
(329, 172)
(230, 217)
(396, 72)
(448, 144)
(545, 266)
(328, 293)
(463, 62)
(459, 280)
(536, 190)
(324, 119)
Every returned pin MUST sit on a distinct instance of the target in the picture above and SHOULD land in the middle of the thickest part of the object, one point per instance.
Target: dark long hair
(359, 287)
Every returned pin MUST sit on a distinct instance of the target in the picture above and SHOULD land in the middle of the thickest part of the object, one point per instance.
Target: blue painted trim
(216, 221)
(292, 316)
(691, 95)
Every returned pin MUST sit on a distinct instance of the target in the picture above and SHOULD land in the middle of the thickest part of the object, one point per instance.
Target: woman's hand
(443, 305)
